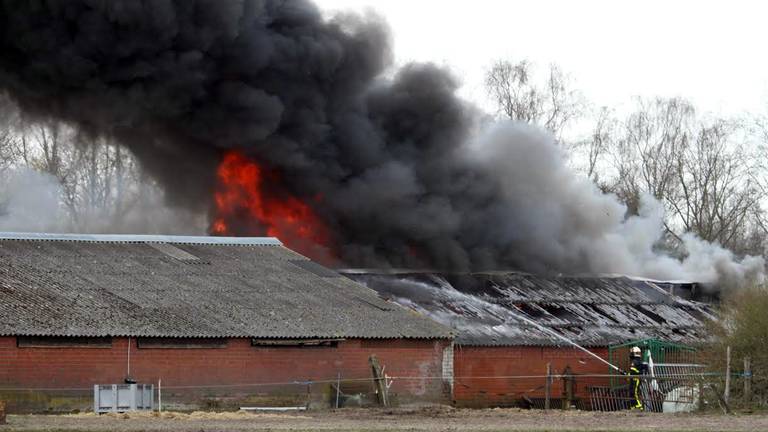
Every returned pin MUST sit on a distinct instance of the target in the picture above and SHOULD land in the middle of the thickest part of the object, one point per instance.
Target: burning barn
(276, 120)
(238, 320)
(506, 326)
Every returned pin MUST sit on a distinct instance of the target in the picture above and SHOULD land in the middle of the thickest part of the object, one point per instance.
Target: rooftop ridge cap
(141, 238)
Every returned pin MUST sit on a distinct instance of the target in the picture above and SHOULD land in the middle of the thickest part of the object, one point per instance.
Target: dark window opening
(330, 343)
(569, 330)
(63, 342)
(457, 310)
(560, 312)
(181, 343)
(603, 313)
(696, 314)
(654, 316)
(531, 310)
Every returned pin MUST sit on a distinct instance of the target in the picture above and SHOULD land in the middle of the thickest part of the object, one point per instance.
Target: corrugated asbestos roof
(164, 286)
(486, 308)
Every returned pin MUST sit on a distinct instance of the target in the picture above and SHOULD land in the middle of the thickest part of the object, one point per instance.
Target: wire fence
(671, 388)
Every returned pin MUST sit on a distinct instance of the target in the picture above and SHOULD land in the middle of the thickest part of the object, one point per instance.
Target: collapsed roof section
(505, 309)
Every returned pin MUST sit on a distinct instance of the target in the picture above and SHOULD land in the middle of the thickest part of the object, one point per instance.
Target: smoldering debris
(520, 309)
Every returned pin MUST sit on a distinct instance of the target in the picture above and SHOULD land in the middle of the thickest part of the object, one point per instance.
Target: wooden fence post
(548, 387)
(2, 412)
(727, 392)
(338, 389)
(747, 381)
(379, 381)
(567, 388)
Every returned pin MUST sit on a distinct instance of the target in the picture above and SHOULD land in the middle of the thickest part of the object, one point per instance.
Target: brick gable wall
(474, 365)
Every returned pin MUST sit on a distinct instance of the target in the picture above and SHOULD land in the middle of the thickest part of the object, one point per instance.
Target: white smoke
(32, 201)
(29, 201)
(561, 220)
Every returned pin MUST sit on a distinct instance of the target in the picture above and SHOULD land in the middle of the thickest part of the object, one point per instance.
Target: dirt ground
(426, 419)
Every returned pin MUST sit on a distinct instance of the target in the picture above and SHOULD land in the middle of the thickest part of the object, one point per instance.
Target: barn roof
(504, 308)
(165, 286)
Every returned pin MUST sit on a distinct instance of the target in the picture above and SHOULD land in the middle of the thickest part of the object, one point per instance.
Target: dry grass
(195, 415)
(360, 420)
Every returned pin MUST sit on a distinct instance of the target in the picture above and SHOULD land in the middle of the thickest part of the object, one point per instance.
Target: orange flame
(243, 206)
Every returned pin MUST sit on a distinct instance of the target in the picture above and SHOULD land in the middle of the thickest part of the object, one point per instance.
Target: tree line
(706, 170)
(99, 184)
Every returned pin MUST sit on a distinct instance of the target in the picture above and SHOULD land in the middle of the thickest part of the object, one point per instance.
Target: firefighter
(636, 368)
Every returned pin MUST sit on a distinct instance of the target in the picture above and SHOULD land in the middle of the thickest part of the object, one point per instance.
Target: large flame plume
(248, 203)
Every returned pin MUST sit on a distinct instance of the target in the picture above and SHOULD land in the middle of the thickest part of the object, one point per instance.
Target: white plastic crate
(122, 397)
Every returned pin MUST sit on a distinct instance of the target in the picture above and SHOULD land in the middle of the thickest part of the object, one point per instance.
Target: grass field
(426, 419)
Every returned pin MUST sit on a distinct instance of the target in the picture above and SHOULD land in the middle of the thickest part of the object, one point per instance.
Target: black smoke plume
(404, 180)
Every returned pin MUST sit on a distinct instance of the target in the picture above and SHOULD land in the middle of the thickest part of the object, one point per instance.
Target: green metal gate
(671, 385)
(662, 353)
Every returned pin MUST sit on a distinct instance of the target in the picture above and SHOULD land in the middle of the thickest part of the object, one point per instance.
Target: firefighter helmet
(635, 352)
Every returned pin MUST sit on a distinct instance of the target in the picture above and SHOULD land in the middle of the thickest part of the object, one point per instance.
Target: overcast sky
(713, 53)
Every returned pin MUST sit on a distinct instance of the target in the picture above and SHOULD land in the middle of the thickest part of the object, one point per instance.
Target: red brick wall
(474, 367)
(215, 373)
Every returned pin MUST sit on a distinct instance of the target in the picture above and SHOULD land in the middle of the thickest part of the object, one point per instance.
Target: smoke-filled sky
(386, 160)
(708, 51)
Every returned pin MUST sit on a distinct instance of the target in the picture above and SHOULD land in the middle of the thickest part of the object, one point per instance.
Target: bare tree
(717, 195)
(108, 184)
(98, 180)
(646, 154)
(9, 118)
(601, 140)
(699, 169)
(48, 147)
(659, 133)
(92, 182)
(550, 104)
